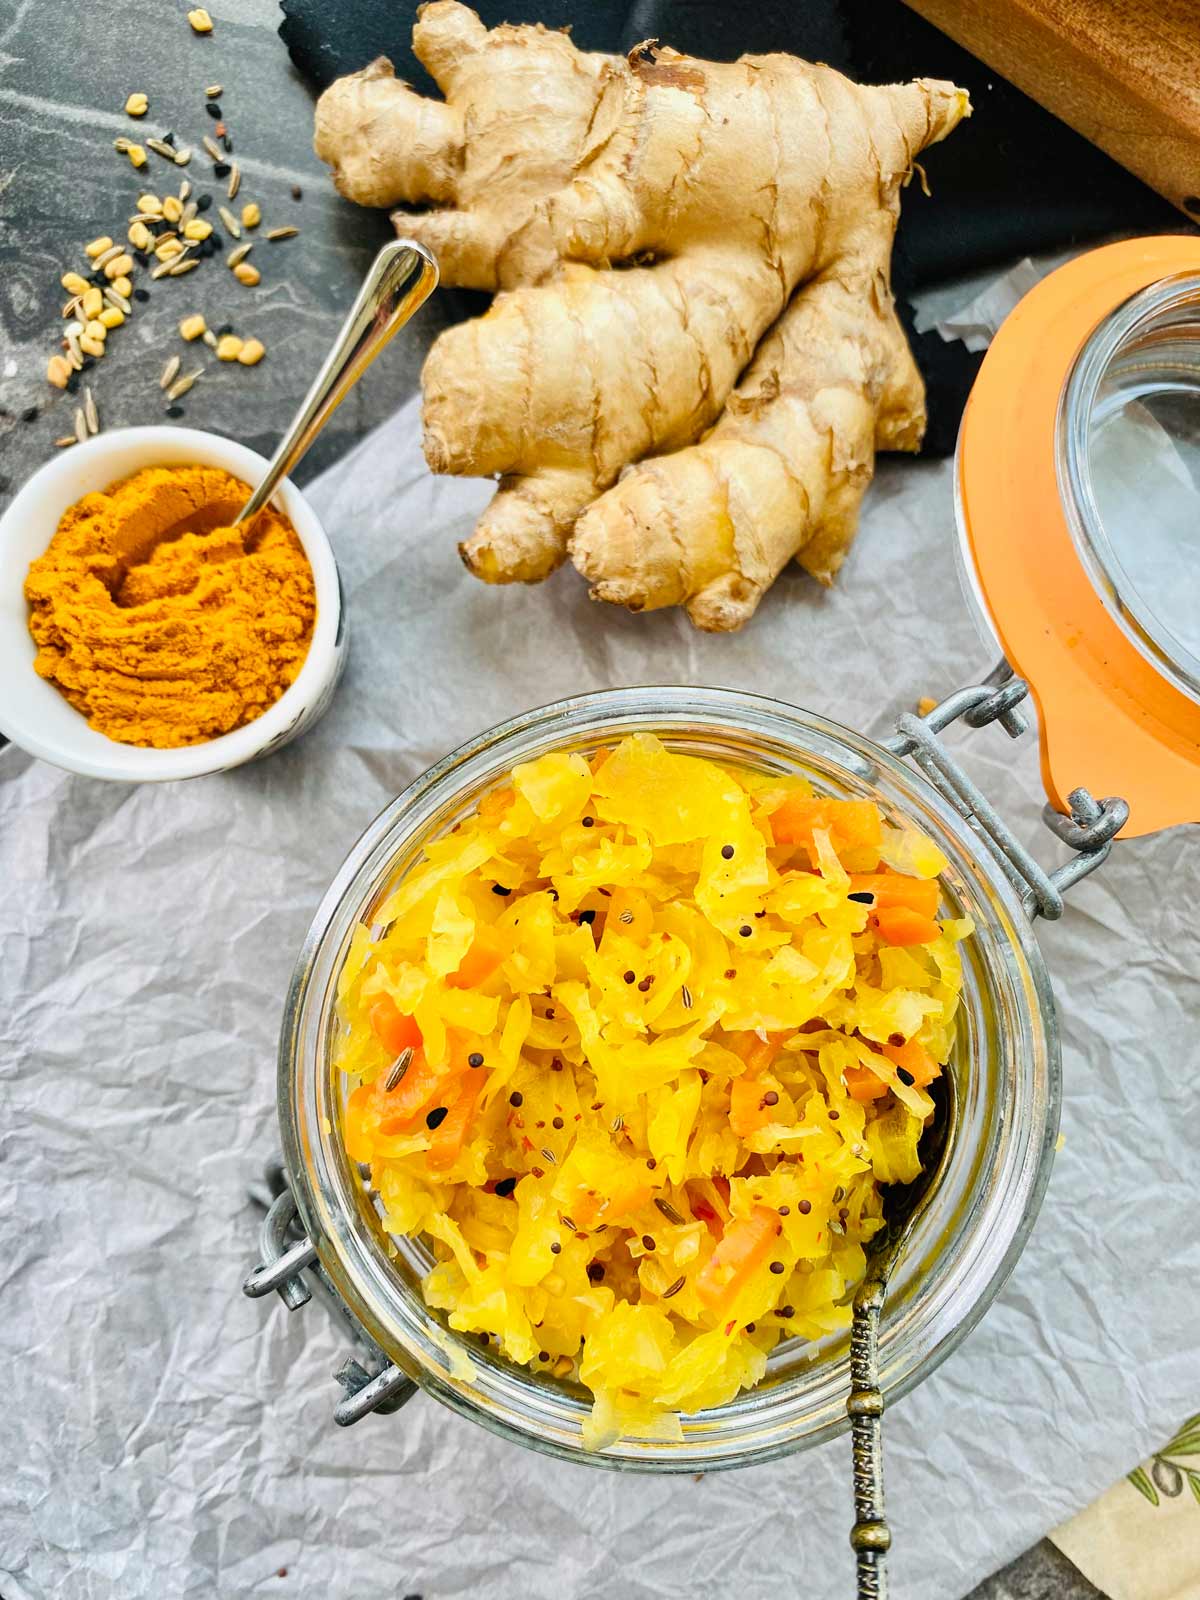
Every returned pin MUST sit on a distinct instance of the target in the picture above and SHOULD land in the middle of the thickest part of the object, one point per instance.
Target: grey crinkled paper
(163, 1436)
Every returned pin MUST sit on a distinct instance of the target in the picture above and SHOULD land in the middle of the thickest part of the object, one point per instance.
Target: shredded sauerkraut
(635, 1047)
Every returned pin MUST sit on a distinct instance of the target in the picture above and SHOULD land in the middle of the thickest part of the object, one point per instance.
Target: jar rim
(989, 1221)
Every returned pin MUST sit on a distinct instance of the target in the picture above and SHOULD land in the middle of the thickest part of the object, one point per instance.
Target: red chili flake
(729, 1327)
(537, 1172)
(221, 130)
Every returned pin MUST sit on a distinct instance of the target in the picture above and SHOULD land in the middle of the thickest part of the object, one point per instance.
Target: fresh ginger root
(693, 353)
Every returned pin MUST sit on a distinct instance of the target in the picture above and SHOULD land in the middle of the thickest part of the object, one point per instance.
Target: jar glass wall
(1006, 1066)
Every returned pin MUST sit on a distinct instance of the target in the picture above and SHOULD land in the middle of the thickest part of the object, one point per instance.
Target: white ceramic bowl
(35, 715)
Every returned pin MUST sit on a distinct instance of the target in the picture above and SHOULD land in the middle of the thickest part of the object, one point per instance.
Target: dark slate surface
(61, 183)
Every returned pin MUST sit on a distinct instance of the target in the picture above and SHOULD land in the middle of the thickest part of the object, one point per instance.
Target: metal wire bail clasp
(1089, 830)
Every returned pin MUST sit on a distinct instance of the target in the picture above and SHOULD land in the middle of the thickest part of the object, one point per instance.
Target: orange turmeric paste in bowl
(161, 623)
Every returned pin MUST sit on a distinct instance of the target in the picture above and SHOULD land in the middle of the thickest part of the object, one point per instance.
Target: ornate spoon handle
(870, 1536)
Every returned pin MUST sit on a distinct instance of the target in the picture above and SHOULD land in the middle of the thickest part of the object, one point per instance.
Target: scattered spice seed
(770, 1098)
(647, 1242)
(221, 167)
(745, 930)
(213, 91)
(210, 339)
(905, 1076)
(250, 355)
(777, 1268)
(587, 822)
(863, 897)
(505, 1187)
(162, 148)
(230, 221)
(550, 1157)
(785, 1211)
(585, 918)
(137, 156)
(65, 440)
(200, 20)
(228, 346)
(212, 147)
(181, 385)
(618, 1122)
(398, 1068)
(685, 996)
(213, 110)
(183, 156)
(630, 976)
(727, 852)
(297, 192)
(804, 1207)
(674, 1289)
(170, 372)
(437, 1116)
(475, 1059)
(595, 1272)
(516, 1098)
(282, 233)
(178, 268)
(137, 105)
(81, 427)
(668, 1211)
(174, 411)
(235, 182)
(236, 256)
(787, 1312)
(97, 247)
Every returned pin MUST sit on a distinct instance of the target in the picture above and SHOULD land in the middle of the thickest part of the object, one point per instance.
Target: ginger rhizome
(693, 351)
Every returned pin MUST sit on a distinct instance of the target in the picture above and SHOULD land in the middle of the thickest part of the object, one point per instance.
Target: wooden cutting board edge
(1123, 73)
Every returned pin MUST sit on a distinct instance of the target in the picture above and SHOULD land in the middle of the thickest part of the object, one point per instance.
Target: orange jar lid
(1117, 695)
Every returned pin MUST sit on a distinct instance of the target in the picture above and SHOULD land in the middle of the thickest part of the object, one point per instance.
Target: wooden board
(1124, 73)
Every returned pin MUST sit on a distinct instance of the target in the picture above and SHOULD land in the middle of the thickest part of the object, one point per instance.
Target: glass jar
(1006, 1068)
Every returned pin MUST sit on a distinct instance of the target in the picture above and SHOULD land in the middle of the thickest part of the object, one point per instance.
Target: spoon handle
(870, 1537)
(401, 279)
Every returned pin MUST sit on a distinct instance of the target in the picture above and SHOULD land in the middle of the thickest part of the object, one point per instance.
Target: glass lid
(1078, 498)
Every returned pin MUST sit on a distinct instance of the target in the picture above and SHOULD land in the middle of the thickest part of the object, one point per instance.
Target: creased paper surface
(163, 1436)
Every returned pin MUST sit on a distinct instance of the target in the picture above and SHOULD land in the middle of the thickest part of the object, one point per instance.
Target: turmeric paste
(160, 622)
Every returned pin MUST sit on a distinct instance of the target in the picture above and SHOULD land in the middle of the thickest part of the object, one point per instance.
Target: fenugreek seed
(95, 330)
(228, 347)
(111, 317)
(251, 214)
(183, 155)
(197, 229)
(290, 233)
(210, 338)
(91, 415)
(149, 205)
(65, 440)
(172, 208)
(90, 346)
(73, 283)
(58, 370)
(240, 254)
(114, 297)
(213, 148)
(168, 247)
(674, 1288)
(685, 995)
(98, 246)
(235, 181)
(200, 20)
(139, 236)
(177, 269)
(251, 353)
(668, 1211)
(110, 253)
(162, 148)
(123, 287)
(137, 156)
(230, 221)
(192, 327)
(92, 301)
(137, 105)
(213, 91)
(120, 266)
(181, 386)
(245, 273)
(170, 372)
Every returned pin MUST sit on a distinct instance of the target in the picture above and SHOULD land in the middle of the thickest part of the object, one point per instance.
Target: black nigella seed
(864, 897)
(630, 976)
(505, 1187)
(203, 203)
(750, 1326)
(216, 241)
(437, 1116)
(98, 278)
(220, 169)
(786, 1311)
(213, 107)
(88, 361)
(30, 414)
(475, 1059)
(169, 137)
(727, 851)
(499, 888)
(777, 1267)
(516, 1098)
(73, 383)
(207, 248)
(587, 918)
(174, 412)
(905, 1077)
(141, 295)
(297, 192)
(745, 930)
(595, 1272)
(804, 1207)
(588, 822)
(227, 144)
(226, 327)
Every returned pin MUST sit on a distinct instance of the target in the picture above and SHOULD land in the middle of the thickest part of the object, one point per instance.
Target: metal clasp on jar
(1089, 830)
(371, 1382)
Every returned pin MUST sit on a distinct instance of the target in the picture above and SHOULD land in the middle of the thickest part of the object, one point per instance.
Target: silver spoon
(903, 1204)
(402, 277)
